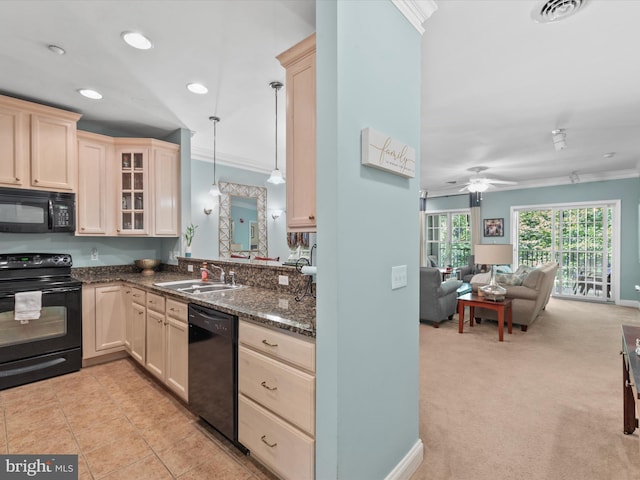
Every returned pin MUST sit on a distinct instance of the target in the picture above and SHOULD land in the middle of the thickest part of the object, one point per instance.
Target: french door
(579, 237)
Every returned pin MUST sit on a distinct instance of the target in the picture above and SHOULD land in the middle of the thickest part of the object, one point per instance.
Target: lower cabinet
(276, 400)
(167, 343)
(151, 328)
(135, 328)
(103, 320)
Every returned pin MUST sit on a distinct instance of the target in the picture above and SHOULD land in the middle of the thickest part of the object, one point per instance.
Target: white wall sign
(383, 152)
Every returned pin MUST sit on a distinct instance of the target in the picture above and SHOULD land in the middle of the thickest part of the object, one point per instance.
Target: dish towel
(28, 306)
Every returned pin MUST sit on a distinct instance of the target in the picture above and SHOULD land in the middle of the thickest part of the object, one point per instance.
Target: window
(448, 237)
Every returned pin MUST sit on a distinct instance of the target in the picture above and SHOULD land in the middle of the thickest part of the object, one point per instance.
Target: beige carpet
(545, 404)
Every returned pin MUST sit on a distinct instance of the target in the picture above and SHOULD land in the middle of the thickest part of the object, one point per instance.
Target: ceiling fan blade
(503, 182)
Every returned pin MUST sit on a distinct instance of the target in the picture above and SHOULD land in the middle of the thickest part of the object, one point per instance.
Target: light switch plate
(190, 268)
(398, 277)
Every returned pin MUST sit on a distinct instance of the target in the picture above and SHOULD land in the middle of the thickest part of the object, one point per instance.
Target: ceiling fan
(479, 183)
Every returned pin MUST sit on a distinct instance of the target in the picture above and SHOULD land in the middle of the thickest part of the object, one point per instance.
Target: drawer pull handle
(312, 217)
(269, 344)
(270, 445)
(159, 321)
(140, 313)
(172, 309)
(137, 295)
(627, 383)
(264, 384)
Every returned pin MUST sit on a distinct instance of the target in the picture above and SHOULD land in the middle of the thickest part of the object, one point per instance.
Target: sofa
(467, 272)
(438, 299)
(528, 298)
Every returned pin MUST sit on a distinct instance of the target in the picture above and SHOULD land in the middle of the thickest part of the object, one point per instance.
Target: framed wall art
(494, 227)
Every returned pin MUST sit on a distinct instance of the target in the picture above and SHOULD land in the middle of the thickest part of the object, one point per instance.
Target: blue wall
(498, 205)
(368, 75)
(205, 243)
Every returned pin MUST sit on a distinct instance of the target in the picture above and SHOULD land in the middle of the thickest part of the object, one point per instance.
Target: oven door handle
(46, 291)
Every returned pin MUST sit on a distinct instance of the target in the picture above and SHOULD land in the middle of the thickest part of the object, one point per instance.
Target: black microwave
(36, 211)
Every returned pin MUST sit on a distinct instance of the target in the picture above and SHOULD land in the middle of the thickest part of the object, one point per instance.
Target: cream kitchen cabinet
(167, 342)
(135, 331)
(95, 199)
(276, 399)
(300, 64)
(37, 145)
(177, 342)
(103, 320)
(155, 335)
(128, 186)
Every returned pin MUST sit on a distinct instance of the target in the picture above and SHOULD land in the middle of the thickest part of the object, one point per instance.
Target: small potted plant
(188, 236)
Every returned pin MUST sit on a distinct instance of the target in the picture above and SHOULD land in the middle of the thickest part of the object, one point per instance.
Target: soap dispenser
(204, 272)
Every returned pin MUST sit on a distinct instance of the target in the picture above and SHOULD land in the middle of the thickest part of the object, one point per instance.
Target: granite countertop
(268, 307)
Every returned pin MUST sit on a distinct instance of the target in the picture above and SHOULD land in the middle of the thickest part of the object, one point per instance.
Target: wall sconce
(275, 214)
(208, 209)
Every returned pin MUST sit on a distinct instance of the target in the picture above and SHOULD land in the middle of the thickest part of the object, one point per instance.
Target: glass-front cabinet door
(134, 192)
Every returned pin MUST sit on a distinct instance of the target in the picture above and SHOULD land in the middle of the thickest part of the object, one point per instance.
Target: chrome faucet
(212, 274)
(233, 278)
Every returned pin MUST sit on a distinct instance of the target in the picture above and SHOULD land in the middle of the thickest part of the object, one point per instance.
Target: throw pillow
(510, 278)
(524, 269)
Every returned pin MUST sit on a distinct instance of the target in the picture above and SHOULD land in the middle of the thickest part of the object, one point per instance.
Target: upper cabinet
(300, 64)
(136, 180)
(37, 146)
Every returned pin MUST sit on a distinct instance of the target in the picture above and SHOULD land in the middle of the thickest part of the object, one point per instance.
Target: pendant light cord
(215, 121)
(276, 143)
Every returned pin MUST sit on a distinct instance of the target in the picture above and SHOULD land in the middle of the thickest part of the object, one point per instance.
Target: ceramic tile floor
(122, 425)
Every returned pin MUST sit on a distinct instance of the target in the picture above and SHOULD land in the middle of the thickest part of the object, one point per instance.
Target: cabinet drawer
(139, 296)
(177, 310)
(286, 450)
(296, 351)
(283, 389)
(155, 302)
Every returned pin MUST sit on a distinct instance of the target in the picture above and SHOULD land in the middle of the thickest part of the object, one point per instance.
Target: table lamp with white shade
(493, 254)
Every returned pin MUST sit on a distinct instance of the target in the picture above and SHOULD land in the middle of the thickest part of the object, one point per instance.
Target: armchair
(438, 299)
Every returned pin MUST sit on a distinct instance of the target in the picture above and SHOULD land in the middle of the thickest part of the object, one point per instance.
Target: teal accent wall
(205, 243)
(498, 205)
(368, 75)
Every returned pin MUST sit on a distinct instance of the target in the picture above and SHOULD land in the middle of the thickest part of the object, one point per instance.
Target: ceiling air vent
(549, 11)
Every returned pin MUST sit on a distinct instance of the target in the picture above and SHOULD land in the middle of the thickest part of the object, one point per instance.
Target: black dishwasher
(213, 368)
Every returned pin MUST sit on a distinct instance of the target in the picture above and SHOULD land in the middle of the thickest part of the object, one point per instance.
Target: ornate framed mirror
(242, 224)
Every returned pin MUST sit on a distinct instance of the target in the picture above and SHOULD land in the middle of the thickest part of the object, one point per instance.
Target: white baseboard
(629, 303)
(409, 464)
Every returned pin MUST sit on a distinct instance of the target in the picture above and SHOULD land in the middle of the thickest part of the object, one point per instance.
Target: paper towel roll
(308, 270)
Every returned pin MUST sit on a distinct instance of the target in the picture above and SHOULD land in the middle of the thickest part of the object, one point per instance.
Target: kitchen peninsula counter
(261, 305)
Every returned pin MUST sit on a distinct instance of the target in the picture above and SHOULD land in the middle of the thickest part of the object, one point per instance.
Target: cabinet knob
(312, 217)
(270, 445)
(35, 180)
(159, 321)
(17, 179)
(82, 228)
(140, 313)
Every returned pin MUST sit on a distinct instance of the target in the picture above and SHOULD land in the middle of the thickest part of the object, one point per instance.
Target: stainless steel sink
(196, 286)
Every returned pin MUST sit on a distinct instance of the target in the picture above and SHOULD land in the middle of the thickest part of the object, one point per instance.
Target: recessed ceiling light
(609, 155)
(92, 94)
(137, 40)
(197, 88)
(56, 49)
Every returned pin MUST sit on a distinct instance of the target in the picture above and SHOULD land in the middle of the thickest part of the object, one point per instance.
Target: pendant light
(276, 176)
(214, 191)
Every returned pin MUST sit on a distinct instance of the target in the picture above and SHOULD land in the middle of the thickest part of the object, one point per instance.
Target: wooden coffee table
(472, 300)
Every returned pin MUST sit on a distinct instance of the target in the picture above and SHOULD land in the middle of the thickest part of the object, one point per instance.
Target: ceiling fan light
(477, 187)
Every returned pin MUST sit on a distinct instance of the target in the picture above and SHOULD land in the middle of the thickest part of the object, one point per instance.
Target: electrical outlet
(190, 268)
(283, 279)
(398, 277)
(94, 253)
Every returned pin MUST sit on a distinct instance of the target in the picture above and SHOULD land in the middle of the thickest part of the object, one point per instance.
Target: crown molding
(416, 11)
(550, 182)
(206, 155)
